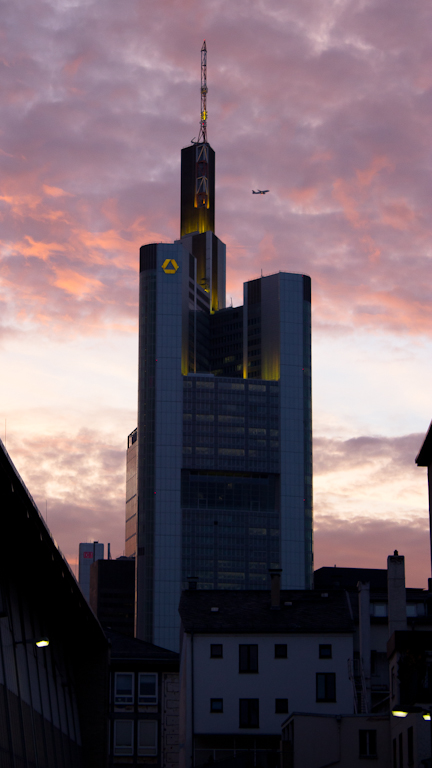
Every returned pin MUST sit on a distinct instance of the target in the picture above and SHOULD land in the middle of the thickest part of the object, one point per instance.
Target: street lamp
(40, 642)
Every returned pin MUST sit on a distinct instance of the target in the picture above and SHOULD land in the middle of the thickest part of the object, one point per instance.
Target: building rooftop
(249, 611)
(348, 578)
(130, 648)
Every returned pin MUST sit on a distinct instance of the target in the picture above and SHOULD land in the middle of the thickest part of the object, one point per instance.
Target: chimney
(192, 581)
(275, 574)
(396, 593)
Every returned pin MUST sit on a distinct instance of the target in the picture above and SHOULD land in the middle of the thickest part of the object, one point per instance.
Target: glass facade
(230, 424)
(230, 529)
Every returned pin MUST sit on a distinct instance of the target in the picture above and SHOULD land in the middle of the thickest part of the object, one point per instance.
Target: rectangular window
(281, 651)
(281, 706)
(325, 652)
(379, 610)
(248, 660)
(147, 737)
(216, 706)
(326, 686)
(216, 651)
(249, 713)
(123, 737)
(367, 743)
(410, 735)
(124, 693)
(147, 688)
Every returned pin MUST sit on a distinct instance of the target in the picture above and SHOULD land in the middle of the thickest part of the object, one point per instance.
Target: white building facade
(244, 666)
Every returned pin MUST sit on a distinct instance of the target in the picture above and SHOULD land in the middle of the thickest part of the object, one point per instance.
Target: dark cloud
(392, 454)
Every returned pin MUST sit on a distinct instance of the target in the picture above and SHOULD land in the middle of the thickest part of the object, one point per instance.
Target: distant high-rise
(88, 554)
(224, 469)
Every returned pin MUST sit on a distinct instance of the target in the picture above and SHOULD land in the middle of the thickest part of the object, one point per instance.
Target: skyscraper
(224, 468)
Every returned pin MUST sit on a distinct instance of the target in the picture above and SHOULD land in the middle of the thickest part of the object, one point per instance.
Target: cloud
(393, 454)
(78, 483)
(368, 542)
(327, 107)
(369, 499)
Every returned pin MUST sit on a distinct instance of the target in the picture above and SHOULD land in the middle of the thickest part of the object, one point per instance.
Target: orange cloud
(366, 177)
(76, 284)
(55, 191)
(38, 250)
(399, 215)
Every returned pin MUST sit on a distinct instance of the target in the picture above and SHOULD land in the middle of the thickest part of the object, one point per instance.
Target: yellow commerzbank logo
(170, 266)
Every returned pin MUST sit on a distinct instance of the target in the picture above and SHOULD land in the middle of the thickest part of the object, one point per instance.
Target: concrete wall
(293, 678)
(324, 741)
(170, 721)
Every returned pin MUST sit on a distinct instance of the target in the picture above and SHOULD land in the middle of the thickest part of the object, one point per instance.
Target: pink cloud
(306, 100)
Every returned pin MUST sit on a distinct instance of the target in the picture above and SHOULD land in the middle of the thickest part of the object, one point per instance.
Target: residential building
(368, 596)
(88, 554)
(53, 697)
(224, 457)
(410, 655)
(144, 700)
(250, 658)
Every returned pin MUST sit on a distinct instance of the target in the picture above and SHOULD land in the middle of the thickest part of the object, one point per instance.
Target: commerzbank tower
(219, 485)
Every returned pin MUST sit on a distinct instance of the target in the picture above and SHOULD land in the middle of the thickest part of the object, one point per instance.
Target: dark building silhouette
(112, 593)
(144, 704)
(53, 699)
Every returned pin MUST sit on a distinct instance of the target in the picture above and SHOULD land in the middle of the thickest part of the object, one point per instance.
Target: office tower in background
(88, 554)
(224, 450)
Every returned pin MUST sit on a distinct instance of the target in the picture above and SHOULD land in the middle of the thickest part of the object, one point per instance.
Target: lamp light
(40, 642)
(427, 716)
(399, 713)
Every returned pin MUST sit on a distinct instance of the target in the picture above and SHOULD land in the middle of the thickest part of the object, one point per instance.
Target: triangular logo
(170, 266)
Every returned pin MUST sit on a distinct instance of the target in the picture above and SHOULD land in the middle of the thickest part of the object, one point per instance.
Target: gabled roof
(249, 611)
(424, 459)
(130, 648)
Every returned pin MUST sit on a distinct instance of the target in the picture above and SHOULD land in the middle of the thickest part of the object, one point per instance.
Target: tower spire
(202, 136)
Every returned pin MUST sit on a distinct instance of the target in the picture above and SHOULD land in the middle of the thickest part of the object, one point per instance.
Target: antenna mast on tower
(202, 136)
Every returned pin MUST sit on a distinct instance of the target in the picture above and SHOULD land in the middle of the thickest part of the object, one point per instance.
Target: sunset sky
(328, 105)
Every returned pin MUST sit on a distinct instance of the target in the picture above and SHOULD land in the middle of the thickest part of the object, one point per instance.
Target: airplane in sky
(260, 191)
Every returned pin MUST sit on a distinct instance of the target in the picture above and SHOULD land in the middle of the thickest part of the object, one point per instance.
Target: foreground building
(248, 659)
(144, 702)
(53, 698)
(223, 461)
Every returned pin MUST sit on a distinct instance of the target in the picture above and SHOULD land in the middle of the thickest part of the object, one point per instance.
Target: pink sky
(328, 105)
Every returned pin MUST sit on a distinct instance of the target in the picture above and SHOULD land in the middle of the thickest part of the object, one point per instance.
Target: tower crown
(202, 136)
(198, 172)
